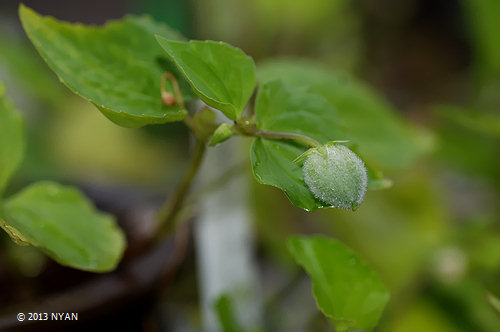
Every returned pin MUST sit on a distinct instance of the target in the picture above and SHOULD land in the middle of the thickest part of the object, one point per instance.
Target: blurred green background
(432, 65)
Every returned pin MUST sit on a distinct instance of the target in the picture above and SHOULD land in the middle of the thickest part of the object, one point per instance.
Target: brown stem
(173, 80)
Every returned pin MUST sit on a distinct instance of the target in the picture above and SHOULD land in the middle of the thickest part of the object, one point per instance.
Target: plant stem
(247, 127)
(188, 120)
(311, 142)
(175, 85)
(178, 97)
(172, 206)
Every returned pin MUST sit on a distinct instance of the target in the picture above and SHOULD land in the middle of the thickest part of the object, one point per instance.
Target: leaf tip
(25, 11)
(22, 8)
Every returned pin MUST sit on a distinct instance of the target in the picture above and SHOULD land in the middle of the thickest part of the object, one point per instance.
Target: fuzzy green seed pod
(335, 175)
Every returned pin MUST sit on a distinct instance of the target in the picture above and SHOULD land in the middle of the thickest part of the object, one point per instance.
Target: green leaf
(117, 67)
(384, 138)
(468, 142)
(285, 108)
(11, 139)
(64, 224)
(225, 313)
(483, 17)
(26, 69)
(493, 301)
(345, 288)
(481, 121)
(376, 180)
(272, 163)
(222, 75)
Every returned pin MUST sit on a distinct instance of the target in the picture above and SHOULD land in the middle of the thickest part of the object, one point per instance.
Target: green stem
(188, 120)
(247, 127)
(311, 142)
(172, 206)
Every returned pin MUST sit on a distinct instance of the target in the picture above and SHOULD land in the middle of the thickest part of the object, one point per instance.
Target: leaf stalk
(247, 127)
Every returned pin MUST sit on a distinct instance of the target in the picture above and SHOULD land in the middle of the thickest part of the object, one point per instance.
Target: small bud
(335, 175)
(222, 133)
(167, 98)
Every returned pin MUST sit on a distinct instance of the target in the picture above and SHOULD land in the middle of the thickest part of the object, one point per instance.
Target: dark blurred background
(413, 50)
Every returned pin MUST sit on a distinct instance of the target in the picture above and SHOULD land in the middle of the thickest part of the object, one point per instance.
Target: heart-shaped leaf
(11, 139)
(117, 67)
(222, 75)
(64, 224)
(346, 290)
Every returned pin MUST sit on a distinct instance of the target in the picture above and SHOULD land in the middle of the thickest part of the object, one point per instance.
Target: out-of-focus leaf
(11, 139)
(422, 316)
(117, 67)
(29, 261)
(481, 243)
(466, 306)
(485, 123)
(225, 314)
(484, 16)
(345, 288)
(376, 181)
(467, 143)
(222, 75)
(405, 224)
(63, 223)
(77, 154)
(494, 301)
(383, 137)
(27, 70)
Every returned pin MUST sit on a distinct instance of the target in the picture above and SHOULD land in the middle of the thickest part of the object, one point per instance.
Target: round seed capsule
(335, 175)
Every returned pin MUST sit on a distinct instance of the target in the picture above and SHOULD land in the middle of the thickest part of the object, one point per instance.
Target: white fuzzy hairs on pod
(336, 176)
